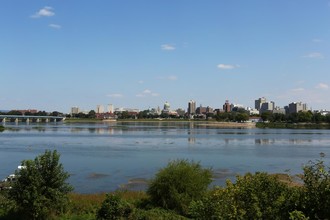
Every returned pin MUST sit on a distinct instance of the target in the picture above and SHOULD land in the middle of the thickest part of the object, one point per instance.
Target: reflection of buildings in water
(191, 140)
(227, 140)
(191, 125)
(76, 130)
(264, 141)
(111, 131)
(299, 141)
(100, 130)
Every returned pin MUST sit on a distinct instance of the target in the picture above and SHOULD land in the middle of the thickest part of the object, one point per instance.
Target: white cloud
(44, 12)
(322, 86)
(227, 66)
(172, 78)
(115, 95)
(140, 81)
(167, 47)
(314, 55)
(55, 26)
(316, 40)
(298, 90)
(146, 93)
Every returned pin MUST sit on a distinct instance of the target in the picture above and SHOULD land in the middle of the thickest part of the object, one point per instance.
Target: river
(102, 157)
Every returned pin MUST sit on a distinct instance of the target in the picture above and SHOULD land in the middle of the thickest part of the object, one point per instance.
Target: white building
(74, 110)
(99, 109)
(110, 108)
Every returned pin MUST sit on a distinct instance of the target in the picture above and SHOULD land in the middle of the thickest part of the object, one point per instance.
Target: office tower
(191, 107)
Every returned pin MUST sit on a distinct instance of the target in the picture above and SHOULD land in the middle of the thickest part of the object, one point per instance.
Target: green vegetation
(40, 189)
(178, 191)
(2, 128)
(176, 185)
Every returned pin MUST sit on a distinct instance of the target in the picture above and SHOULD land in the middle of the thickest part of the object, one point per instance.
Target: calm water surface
(107, 156)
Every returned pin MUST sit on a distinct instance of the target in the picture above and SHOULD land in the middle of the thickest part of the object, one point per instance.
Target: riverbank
(284, 125)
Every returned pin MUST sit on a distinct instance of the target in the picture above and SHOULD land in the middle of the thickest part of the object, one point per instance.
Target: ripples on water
(106, 156)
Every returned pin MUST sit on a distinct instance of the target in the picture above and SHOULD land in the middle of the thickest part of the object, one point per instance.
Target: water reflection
(105, 156)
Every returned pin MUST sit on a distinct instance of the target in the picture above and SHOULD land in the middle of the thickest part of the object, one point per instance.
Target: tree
(41, 188)
(113, 207)
(253, 196)
(91, 114)
(176, 185)
(317, 189)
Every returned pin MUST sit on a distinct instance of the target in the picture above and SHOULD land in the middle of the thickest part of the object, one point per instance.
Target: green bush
(155, 214)
(317, 190)
(113, 207)
(41, 189)
(253, 196)
(176, 185)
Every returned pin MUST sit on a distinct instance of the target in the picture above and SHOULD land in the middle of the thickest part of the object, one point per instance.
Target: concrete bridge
(30, 118)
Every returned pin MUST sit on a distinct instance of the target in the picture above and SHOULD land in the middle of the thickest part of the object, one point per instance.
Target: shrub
(113, 207)
(155, 214)
(41, 188)
(176, 185)
(253, 196)
(317, 190)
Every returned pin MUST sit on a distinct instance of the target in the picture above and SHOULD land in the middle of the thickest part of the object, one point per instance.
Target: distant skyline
(139, 54)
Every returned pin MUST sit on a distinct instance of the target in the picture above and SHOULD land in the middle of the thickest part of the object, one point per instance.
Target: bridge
(30, 118)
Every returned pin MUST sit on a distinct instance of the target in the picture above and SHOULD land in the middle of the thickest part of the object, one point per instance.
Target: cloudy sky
(57, 54)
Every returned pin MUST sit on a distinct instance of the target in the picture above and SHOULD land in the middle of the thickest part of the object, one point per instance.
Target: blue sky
(56, 54)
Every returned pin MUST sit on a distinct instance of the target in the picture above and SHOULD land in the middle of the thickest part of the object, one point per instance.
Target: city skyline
(55, 55)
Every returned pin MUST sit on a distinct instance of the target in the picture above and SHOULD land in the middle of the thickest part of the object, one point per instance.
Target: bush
(317, 190)
(176, 185)
(155, 214)
(113, 207)
(41, 188)
(258, 196)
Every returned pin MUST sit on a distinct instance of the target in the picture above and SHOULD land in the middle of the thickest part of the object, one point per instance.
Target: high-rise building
(110, 108)
(258, 103)
(191, 107)
(99, 109)
(226, 106)
(74, 110)
(296, 107)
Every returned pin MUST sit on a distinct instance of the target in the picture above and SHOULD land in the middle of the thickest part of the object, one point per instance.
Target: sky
(56, 54)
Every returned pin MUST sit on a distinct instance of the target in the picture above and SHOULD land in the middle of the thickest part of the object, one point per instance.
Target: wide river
(103, 157)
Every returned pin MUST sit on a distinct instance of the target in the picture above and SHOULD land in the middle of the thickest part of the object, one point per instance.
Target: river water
(102, 157)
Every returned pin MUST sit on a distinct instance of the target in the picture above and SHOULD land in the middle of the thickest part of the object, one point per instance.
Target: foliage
(297, 215)
(113, 207)
(41, 188)
(317, 190)
(176, 185)
(258, 196)
(2, 128)
(155, 214)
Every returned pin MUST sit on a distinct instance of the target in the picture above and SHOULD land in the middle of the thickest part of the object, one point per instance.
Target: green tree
(113, 207)
(253, 196)
(41, 188)
(91, 114)
(240, 117)
(317, 190)
(176, 185)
